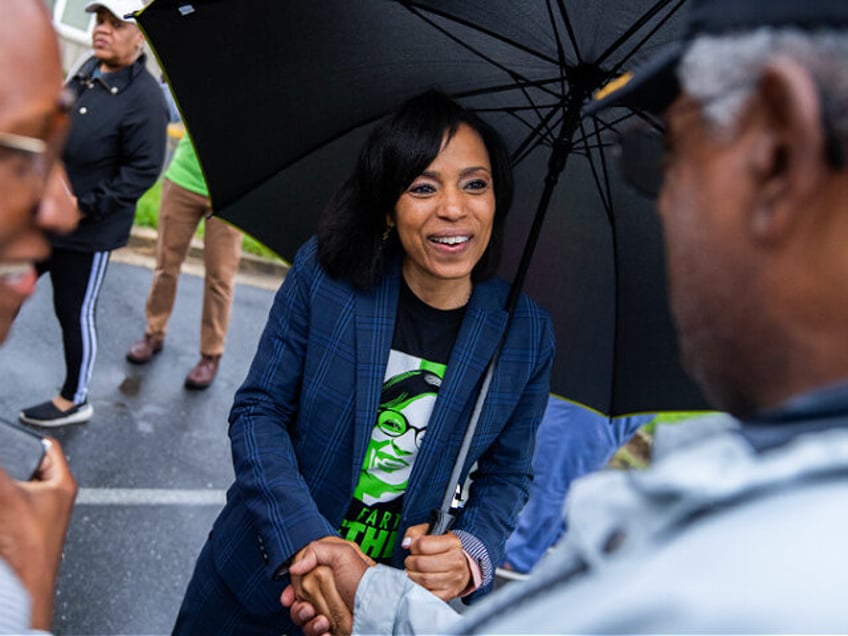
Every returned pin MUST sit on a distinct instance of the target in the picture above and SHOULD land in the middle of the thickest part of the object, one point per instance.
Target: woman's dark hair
(350, 238)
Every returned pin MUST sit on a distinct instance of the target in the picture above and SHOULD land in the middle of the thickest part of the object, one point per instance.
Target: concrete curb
(144, 239)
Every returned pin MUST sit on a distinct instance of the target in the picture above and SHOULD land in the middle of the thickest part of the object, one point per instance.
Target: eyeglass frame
(37, 149)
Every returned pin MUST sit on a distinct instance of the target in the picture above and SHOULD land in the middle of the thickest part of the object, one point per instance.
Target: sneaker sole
(78, 417)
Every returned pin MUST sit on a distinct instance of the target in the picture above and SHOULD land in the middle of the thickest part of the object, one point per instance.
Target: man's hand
(325, 575)
(34, 517)
(436, 562)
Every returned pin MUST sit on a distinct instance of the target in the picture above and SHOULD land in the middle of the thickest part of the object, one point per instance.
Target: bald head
(30, 66)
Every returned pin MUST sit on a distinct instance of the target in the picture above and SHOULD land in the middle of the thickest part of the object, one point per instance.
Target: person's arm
(34, 518)
(262, 425)
(143, 141)
(500, 485)
(383, 600)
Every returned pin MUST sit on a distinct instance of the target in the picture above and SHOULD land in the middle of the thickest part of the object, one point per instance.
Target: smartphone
(21, 450)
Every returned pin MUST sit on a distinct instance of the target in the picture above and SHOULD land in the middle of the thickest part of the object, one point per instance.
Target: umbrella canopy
(279, 96)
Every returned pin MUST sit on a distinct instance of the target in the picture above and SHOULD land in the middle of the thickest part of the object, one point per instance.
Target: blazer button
(83, 110)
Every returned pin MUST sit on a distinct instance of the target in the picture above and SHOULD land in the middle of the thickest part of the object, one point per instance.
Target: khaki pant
(180, 212)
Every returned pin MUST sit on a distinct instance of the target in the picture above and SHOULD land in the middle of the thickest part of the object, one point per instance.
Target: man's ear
(788, 155)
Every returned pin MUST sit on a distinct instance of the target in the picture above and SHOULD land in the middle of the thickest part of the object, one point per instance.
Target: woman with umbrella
(355, 406)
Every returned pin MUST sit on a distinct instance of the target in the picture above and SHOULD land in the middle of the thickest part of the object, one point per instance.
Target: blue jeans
(571, 441)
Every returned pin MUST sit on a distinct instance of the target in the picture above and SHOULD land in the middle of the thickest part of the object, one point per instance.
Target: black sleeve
(143, 139)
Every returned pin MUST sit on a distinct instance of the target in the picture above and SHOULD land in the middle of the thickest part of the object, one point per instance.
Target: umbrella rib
(418, 10)
(607, 202)
(606, 197)
(634, 28)
(525, 147)
(520, 83)
(563, 79)
(517, 77)
(570, 29)
(648, 36)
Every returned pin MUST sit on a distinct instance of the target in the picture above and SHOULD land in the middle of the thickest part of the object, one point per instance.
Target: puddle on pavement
(130, 386)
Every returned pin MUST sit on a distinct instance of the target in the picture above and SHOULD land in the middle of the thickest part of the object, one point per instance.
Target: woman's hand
(436, 562)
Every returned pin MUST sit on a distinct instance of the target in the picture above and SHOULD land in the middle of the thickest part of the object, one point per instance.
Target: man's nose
(57, 211)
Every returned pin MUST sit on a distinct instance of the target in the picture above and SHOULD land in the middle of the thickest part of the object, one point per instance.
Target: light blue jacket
(716, 537)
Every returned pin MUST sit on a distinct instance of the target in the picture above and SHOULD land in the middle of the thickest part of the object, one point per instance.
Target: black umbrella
(278, 95)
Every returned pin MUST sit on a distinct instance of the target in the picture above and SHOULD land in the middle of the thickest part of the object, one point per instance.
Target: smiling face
(116, 43)
(32, 126)
(444, 220)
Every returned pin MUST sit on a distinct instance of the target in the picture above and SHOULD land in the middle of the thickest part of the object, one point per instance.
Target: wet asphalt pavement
(153, 463)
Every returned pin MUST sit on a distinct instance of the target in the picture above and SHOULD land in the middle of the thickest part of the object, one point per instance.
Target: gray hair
(721, 71)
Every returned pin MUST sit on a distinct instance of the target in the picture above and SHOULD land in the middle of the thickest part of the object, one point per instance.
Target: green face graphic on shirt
(408, 400)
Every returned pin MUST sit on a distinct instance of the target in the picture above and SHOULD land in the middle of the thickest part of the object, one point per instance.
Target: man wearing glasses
(34, 203)
(741, 527)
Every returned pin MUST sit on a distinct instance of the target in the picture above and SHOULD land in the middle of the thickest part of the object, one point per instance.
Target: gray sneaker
(46, 414)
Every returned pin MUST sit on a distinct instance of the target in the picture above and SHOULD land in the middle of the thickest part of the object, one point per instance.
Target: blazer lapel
(376, 310)
(479, 336)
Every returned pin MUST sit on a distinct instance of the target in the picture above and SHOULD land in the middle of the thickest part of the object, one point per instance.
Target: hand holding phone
(34, 517)
(21, 450)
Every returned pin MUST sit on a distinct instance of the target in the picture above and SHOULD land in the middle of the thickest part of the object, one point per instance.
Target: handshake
(326, 574)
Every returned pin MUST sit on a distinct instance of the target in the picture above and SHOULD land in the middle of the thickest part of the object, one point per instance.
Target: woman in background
(113, 154)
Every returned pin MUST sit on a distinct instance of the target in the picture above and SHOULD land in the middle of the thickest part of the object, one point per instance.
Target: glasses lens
(391, 423)
(640, 155)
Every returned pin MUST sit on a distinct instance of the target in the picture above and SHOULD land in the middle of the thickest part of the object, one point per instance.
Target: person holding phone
(34, 204)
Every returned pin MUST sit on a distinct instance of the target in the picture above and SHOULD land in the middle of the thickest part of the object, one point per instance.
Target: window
(71, 20)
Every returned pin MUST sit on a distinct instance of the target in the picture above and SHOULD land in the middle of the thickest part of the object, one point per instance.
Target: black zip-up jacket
(114, 152)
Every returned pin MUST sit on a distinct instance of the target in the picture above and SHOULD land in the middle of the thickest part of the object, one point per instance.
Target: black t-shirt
(421, 347)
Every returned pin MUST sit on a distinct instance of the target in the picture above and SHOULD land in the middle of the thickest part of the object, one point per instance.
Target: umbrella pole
(442, 519)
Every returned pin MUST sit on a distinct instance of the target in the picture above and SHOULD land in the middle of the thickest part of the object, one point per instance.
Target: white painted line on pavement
(149, 497)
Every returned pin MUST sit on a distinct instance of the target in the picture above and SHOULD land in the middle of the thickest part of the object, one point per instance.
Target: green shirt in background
(184, 169)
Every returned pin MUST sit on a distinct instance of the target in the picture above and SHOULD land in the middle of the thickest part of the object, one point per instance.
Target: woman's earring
(387, 233)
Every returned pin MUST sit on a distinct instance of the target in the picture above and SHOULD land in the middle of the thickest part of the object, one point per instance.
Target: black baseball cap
(654, 85)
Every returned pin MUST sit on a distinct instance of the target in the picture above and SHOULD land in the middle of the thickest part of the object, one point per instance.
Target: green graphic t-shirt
(420, 350)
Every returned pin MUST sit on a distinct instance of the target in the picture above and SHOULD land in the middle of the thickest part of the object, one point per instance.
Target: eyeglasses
(24, 157)
(641, 149)
(394, 424)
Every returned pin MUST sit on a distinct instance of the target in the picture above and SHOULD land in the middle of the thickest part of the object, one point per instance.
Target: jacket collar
(115, 82)
(817, 410)
(716, 470)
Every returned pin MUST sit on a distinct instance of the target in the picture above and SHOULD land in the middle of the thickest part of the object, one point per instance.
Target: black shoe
(48, 415)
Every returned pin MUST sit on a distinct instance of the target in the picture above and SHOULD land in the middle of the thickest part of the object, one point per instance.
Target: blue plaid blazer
(301, 422)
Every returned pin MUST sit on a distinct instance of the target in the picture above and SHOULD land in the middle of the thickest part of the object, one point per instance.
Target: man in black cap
(741, 526)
